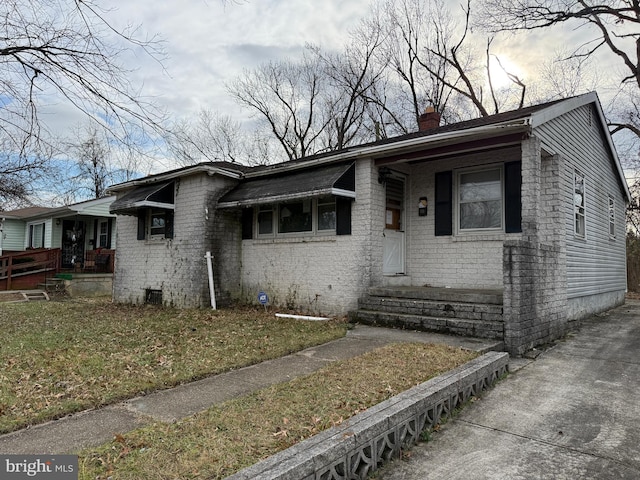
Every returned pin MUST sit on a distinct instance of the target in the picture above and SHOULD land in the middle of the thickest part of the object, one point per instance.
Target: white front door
(393, 245)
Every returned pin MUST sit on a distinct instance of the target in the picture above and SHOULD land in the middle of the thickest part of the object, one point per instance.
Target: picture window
(295, 217)
(480, 200)
(308, 216)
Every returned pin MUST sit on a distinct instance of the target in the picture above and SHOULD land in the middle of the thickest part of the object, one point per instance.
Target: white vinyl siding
(14, 232)
(596, 263)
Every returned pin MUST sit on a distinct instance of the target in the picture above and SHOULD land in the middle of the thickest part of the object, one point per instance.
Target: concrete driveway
(573, 413)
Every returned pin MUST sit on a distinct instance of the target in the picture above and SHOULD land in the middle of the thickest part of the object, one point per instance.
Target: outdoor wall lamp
(422, 207)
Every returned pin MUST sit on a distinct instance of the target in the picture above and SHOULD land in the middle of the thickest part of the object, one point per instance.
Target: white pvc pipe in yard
(212, 291)
(300, 317)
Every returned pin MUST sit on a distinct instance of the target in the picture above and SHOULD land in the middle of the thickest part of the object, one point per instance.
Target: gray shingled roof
(318, 181)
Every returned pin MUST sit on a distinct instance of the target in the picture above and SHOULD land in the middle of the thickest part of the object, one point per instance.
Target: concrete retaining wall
(356, 448)
(90, 285)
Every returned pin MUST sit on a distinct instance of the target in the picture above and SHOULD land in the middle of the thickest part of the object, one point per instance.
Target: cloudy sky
(210, 42)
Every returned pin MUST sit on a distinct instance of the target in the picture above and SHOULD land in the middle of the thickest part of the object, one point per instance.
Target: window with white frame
(480, 199)
(36, 235)
(103, 234)
(326, 209)
(157, 222)
(612, 217)
(265, 220)
(579, 204)
(295, 216)
(307, 216)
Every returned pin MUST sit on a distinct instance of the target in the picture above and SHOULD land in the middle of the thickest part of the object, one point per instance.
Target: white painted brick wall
(175, 266)
(460, 260)
(316, 274)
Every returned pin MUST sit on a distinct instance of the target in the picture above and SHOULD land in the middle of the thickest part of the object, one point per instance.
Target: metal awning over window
(327, 180)
(158, 195)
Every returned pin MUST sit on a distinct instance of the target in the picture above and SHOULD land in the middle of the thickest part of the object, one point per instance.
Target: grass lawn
(240, 432)
(63, 357)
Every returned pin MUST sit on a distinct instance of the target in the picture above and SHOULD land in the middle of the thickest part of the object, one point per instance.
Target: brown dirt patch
(10, 297)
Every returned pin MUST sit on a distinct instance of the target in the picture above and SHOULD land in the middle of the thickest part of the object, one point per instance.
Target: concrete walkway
(94, 427)
(574, 413)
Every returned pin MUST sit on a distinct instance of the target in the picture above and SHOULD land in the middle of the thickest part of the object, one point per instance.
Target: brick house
(510, 226)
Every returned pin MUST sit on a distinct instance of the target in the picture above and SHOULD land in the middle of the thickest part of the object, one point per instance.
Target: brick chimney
(429, 119)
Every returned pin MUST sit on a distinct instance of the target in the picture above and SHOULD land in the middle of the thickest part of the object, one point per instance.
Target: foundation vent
(152, 297)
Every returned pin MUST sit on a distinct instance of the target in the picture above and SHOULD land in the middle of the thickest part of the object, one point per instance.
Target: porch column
(534, 268)
(531, 173)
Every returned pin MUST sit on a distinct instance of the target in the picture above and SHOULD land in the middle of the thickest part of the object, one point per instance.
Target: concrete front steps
(467, 312)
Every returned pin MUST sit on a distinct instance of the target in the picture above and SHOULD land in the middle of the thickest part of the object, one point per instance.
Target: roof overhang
(334, 179)
(173, 174)
(443, 150)
(156, 195)
(456, 141)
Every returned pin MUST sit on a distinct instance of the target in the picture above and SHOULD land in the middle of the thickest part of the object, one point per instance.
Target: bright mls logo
(59, 467)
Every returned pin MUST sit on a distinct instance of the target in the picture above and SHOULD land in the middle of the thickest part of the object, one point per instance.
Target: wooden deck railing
(27, 269)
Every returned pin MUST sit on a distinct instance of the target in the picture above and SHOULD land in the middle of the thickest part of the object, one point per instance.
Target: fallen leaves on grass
(240, 432)
(62, 357)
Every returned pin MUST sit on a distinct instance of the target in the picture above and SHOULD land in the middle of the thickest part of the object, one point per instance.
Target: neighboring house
(528, 204)
(76, 229)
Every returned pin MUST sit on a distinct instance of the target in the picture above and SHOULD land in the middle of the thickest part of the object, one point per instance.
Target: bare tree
(86, 163)
(287, 96)
(432, 60)
(470, 77)
(563, 75)
(92, 164)
(64, 49)
(213, 137)
(18, 172)
(614, 26)
(412, 29)
(349, 80)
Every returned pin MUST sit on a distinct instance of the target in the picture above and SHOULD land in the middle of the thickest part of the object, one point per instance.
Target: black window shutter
(95, 233)
(512, 197)
(343, 216)
(444, 203)
(168, 224)
(247, 223)
(142, 224)
(109, 232)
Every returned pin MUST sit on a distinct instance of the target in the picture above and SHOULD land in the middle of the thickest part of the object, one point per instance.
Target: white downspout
(212, 292)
